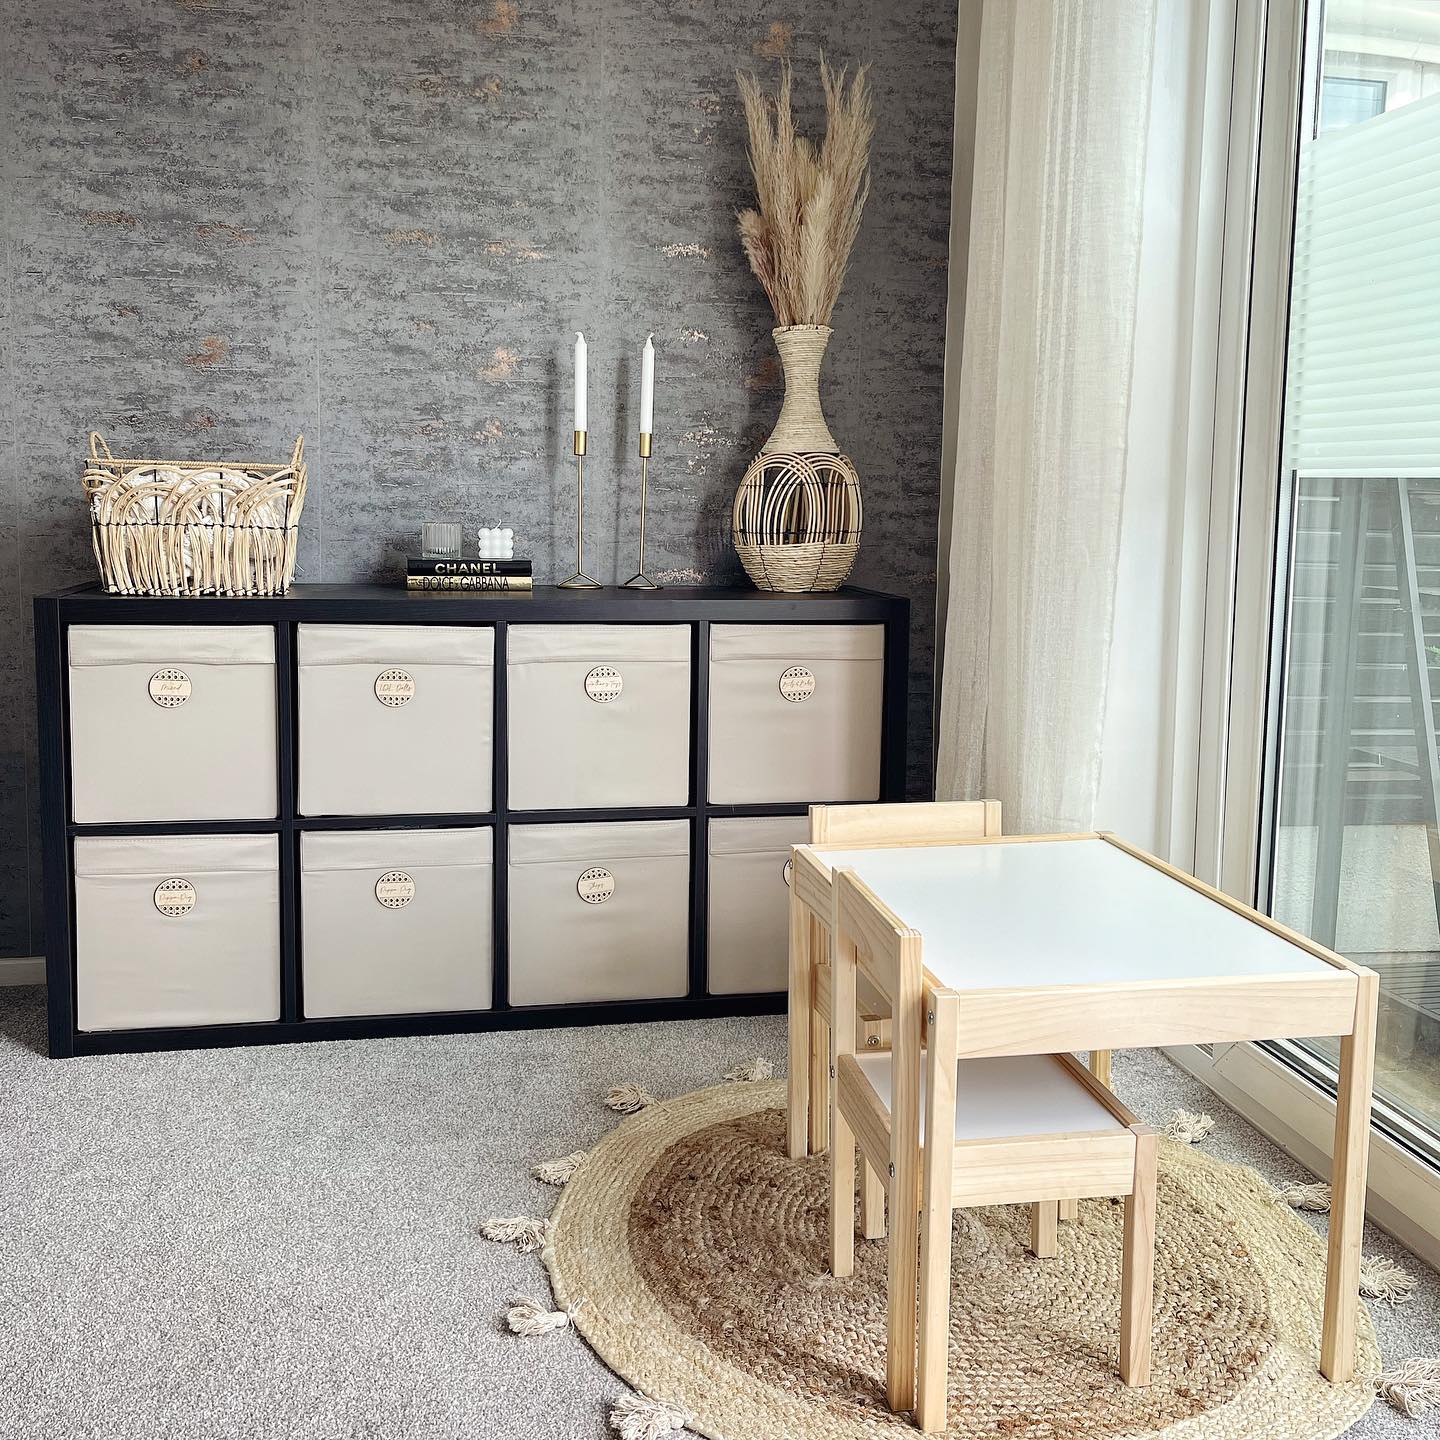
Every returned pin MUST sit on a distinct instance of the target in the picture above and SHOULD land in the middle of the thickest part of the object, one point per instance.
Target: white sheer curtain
(1042, 403)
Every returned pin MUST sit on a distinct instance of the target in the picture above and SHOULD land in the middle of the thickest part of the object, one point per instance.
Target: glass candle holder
(440, 539)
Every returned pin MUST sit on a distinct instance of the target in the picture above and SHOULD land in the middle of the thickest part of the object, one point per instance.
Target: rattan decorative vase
(797, 513)
(185, 527)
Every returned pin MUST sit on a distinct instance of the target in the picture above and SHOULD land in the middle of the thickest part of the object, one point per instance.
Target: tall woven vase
(797, 513)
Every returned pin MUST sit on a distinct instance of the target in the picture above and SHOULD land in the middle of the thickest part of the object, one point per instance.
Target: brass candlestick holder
(640, 580)
(580, 580)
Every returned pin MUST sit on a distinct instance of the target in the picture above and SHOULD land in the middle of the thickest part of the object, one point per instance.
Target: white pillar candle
(647, 386)
(580, 382)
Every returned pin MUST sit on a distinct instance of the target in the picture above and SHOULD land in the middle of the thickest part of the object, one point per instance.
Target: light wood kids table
(1059, 943)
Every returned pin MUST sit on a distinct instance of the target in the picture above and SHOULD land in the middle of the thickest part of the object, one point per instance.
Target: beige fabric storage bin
(795, 712)
(176, 930)
(172, 722)
(395, 922)
(599, 912)
(749, 902)
(599, 715)
(395, 719)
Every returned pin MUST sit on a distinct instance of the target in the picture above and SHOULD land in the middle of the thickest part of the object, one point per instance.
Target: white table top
(1063, 912)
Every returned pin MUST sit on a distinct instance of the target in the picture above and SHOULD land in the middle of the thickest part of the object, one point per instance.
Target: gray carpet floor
(280, 1243)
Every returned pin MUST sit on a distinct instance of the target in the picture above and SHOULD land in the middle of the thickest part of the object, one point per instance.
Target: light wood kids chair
(950, 1133)
(929, 823)
(808, 1079)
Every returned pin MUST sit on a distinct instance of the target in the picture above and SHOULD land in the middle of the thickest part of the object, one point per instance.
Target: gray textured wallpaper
(227, 221)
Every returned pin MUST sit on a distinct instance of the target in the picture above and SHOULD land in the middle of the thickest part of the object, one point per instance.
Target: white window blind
(1363, 372)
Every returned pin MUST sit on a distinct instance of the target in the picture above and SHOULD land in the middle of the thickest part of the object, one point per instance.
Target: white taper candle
(581, 382)
(647, 386)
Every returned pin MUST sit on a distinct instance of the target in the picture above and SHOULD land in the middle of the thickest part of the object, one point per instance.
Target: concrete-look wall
(379, 222)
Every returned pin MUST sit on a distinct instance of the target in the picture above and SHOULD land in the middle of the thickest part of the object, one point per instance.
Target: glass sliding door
(1350, 850)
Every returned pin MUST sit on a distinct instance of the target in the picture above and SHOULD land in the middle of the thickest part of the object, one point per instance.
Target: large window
(1351, 853)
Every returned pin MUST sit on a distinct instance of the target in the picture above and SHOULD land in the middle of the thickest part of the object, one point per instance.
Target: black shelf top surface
(393, 601)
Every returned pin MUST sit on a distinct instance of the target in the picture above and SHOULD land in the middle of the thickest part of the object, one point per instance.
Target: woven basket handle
(299, 454)
(99, 450)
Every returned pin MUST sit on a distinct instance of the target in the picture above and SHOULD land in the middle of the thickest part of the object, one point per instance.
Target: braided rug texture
(699, 1249)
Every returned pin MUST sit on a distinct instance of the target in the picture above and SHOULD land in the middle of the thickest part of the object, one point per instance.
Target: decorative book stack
(428, 572)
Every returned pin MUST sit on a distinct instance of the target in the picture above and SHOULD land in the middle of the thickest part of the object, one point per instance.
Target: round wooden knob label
(595, 886)
(394, 688)
(797, 684)
(170, 687)
(174, 897)
(604, 683)
(788, 871)
(394, 889)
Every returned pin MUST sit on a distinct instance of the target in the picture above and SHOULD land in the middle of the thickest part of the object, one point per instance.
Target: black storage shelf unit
(698, 608)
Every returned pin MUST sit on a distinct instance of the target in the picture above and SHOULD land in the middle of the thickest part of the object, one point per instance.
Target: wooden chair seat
(1006, 1097)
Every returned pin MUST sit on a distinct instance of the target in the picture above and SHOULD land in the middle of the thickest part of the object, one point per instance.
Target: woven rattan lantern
(797, 513)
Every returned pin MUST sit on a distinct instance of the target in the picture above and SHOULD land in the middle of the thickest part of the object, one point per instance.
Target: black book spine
(432, 565)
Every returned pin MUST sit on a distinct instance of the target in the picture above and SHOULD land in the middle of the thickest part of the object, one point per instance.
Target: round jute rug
(699, 1249)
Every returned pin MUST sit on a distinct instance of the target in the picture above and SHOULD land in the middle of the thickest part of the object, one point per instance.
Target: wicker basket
(184, 527)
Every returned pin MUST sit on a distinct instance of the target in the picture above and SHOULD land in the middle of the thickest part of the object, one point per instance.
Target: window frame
(1287, 1092)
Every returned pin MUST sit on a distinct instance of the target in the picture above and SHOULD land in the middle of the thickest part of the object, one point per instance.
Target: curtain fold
(1043, 402)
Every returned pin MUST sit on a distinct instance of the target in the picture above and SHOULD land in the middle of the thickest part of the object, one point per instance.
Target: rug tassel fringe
(758, 1069)
(1413, 1386)
(1189, 1127)
(529, 1317)
(559, 1172)
(627, 1099)
(637, 1417)
(524, 1232)
(1306, 1195)
(1382, 1279)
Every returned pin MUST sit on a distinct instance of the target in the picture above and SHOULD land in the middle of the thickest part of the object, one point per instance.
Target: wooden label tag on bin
(170, 687)
(595, 886)
(174, 897)
(604, 683)
(394, 688)
(797, 684)
(394, 889)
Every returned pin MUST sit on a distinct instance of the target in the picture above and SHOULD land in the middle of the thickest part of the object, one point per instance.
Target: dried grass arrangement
(796, 518)
(809, 201)
(183, 527)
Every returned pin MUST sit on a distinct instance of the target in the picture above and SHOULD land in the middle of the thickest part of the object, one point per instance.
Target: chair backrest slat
(919, 823)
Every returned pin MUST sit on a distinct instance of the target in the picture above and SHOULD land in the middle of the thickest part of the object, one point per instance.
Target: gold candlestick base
(580, 580)
(640, 580)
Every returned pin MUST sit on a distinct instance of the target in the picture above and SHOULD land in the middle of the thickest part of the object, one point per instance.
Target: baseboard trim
(22, 970)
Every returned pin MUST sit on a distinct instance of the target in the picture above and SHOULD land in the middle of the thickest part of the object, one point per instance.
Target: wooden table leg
(1044, 1239)
(1347, 1185)
(937, 1193)
(1137, 1280)
(801, 1001)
